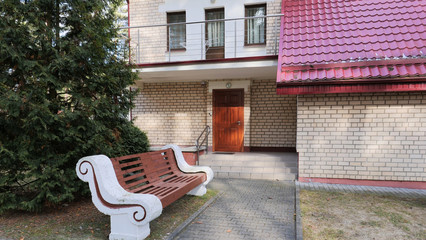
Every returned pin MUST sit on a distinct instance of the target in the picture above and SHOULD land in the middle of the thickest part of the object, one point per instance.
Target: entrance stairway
(252, 165)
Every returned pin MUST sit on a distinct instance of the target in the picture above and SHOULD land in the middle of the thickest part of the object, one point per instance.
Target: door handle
(238, 123)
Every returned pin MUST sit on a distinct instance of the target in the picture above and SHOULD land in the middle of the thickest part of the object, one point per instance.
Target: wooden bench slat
(155, 173)
(133, 178)
(130, 163)
(127, 157)
(151, 183)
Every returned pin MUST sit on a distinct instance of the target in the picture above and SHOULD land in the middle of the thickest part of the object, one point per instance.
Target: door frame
(242, 90)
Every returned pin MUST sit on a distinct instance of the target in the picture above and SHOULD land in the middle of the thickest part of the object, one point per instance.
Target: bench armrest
(108, 195)
(185, 167)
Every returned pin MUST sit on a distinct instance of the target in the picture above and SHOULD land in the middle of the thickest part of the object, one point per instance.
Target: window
(215, 30)
(256, 27)
(177, 38)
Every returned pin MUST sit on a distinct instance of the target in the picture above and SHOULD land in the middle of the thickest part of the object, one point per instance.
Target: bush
(130, 141)
(31, 178)
(63, 94)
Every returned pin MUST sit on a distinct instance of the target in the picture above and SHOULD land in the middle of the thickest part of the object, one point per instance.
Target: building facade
(340, 82)
(177, 87)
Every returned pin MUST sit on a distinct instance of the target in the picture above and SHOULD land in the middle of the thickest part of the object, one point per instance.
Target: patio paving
(247, 209)
(264, 209)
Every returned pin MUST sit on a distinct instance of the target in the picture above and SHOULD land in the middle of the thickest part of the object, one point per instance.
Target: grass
(336, 215)
(81, 220)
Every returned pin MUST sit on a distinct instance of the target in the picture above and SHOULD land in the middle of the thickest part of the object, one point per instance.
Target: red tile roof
(328, 40)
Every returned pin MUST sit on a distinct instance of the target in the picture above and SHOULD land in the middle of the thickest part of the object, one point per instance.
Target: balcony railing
(201, 40)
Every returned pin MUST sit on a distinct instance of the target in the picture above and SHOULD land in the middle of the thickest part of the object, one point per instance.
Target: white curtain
(177, 32)
(177, 36)
(215, 30)
(256, 26)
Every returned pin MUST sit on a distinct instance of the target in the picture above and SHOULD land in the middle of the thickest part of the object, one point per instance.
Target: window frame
(206, 11)
(246, 7)
(169, 14)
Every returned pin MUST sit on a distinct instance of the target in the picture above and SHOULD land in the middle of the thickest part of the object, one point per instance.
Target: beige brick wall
(152, 41)
(375, 136)
(178, 112)
(273, 117)
(171, 112)
(273, 27)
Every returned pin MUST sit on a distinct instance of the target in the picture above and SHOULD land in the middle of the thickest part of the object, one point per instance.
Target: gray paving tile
(248, 209)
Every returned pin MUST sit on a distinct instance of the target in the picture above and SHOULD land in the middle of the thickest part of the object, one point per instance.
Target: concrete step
(257, 163)
(251, 156)
(252, 169)
(266, 176)
(271, 166)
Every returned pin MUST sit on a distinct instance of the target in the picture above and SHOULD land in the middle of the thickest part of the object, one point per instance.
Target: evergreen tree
(64, 95)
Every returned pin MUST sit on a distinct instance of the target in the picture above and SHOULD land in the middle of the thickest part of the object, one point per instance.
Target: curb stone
(188, 221)
(298, 222)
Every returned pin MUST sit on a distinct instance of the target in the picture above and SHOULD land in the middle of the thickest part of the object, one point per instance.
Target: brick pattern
(273, 27)
(171, 112)
(273, 117)
(152, 41)
(178, 112)
(374, 136)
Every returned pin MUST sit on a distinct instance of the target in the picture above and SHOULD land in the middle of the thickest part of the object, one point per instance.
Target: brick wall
(273, 117)
(171, 112)
(374, 136)
(273, 27)
(178, 112)
(153, 40)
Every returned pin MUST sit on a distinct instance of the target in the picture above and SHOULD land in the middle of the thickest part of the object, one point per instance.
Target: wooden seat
(155, 173)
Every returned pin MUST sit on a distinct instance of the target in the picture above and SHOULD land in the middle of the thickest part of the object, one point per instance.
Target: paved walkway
(362, 189)
(248, 209)
(263, 209)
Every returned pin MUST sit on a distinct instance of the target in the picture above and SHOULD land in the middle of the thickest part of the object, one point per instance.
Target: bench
(134, 189)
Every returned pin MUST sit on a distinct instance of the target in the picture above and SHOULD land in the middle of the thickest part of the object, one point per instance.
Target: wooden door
(215, 34)
(228, 120)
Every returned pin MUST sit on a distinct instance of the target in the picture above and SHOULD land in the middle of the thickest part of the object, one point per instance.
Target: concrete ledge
(362, 189)
(375, 183)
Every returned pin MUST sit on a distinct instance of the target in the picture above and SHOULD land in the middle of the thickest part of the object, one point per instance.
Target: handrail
(206, 133)
(204, 21)
(195, 42)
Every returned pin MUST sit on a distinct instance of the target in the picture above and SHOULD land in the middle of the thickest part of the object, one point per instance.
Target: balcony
(205, 40)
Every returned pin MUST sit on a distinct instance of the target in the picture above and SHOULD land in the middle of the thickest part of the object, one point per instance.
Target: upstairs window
(215, 31)
(177, 38)
(255, 28)
(215, 34)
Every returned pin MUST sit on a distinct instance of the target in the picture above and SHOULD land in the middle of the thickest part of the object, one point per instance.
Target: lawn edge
(188, 221)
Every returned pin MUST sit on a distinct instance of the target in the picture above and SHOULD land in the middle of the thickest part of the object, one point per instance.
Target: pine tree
(64, 95)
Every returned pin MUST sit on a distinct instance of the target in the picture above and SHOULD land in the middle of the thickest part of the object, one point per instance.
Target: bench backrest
(138, 172)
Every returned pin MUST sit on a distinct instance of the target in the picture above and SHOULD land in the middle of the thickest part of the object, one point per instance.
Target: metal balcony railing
(201, 40)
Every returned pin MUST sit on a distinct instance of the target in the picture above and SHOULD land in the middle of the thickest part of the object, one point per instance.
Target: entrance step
(252, 165)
